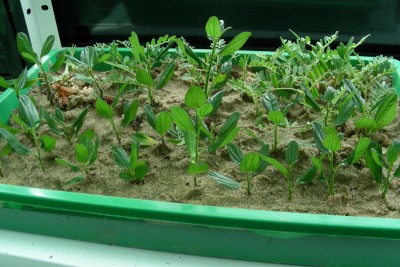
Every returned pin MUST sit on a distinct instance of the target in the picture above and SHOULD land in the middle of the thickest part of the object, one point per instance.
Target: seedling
(22, 82)
(26, 51)
(328, 141)
(392, 154)
(59, 126)
(249, 165)
(215, 75)
(29, 120)
(106, 111)
(195, 99)
(86, 150)
(275, 115)
(150, 85)
(292, 155)
(161, 123)
(134, 170)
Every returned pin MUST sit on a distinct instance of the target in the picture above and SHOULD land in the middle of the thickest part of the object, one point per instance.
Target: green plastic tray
(253, 235)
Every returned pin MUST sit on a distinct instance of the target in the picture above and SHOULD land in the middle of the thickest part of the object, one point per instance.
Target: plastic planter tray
(253, 235)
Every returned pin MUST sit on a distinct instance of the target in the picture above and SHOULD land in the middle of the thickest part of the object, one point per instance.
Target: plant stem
(289, 181)
(38, 149)
(97, 85)
(214, 46)
(48, 90)
(275, 137)
(386, 183)
(195, 180)
(248, 178)
(326, 115)
(331, 174)
(115, 130)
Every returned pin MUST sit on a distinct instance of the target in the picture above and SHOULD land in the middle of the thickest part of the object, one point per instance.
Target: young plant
(337, 107)
(195, 99)
(29, 120)
(328, 141)
(26, 51)
(292, 155)
(22, 82)
(106, 111)
(249, 165)
(59, 126)
(275, 115)
(215, 78)
(150, 85)
(392, 154)
(134, 170)
(161, 123)
(86, 150)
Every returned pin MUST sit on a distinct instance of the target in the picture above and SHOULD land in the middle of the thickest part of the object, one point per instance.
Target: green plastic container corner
(253, 235)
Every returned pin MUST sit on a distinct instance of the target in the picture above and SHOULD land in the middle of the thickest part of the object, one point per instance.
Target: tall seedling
(215, 78)
(26, 51)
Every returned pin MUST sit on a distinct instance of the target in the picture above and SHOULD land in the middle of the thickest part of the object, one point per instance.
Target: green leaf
(25, 48)
(21, 80)
(216, 100)
(292, 153)
(144, 78)
(264, 151)
(137, 49)
(319, 136)
(103, 109)
(94, 151)
(164, 122)
(59, 62)
(307, 177)
(195, 169)
(59, 114)
(279, 166)
(75, 180)
(392, 152)
(126, 175)
(4, 83)
(140, 171)
(397, 172)
(130, 113)
(190, 142)
(190, 54)
(143, 139)
(276, 117)
(120, 157)
(166, 75)
(224, 180)
(48, 143)
(213, 28)
(28, 112)
(65, 163)
(387, 111)
(317, 162)
(47, 45)
(134, 153)
(375, 169)
(5, 150)
(182, 119)
(52, 123)
(310, 99)
(235, 44)
(270, 102)
(250, 162)
(332, 142)
(81, 153)
(224, 139)
(344, 114)
(195, 97)
(366, 123)
(16, 145)
(204, 110)
(78, 123)
(88, 56)
(151, 118)
(235, 153)
(361, 147)
(357, 98)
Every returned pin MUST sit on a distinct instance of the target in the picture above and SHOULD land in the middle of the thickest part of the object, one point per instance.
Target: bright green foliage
(392, 155)
(26, 51)
(249, 164)
(216, 74)
(106, 111)
(29, 120)
(22, 82)
(134, 170)
(328, 141)
(59, 125)
(86, 150)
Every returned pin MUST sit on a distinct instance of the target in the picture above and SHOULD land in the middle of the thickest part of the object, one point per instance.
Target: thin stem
(289, 181)
(37, 148)
(115, 130)
(331, 174)
(210, 67)
(326, 115)
(97, 84)
(1, 170)
(248, 178)
(195, 180)
(386, 183)
(275, 137)
(48, 90)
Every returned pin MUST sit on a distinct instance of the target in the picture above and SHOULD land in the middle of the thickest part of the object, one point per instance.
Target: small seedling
(392, 154)
(161, 123)
(328, 141)
(134, 170)
(29, 120)
(150, 85)
(216, 76)
(106, 111)
(249, 165)
(292, 155)
(86, 150)
(26, 51)
(275, 115)
(22, 82)
(59, 126)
